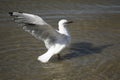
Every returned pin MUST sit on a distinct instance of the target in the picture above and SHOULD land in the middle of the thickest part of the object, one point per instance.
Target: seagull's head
(64, 22)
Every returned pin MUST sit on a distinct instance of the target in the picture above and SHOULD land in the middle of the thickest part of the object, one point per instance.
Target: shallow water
(92, 55)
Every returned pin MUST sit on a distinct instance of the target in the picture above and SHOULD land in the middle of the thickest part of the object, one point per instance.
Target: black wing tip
(11, 13)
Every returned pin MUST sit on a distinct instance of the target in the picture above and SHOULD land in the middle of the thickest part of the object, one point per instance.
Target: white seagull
(55, 40)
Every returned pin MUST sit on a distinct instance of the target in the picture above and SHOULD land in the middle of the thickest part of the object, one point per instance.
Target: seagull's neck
(63, 30)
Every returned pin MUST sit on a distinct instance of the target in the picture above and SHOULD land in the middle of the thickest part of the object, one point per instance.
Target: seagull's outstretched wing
(26, 18)
(37, 26)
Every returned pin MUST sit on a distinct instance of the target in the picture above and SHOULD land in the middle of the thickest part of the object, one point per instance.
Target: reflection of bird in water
(55, 40)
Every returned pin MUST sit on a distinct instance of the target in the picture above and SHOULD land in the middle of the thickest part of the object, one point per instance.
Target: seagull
(55, 40)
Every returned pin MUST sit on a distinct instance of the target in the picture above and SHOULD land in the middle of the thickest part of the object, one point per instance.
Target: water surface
(92, 55)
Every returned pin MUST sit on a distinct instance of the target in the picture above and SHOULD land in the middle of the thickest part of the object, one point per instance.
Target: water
(94, 51)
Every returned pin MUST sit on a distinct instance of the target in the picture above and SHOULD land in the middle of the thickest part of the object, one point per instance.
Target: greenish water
(94, 53)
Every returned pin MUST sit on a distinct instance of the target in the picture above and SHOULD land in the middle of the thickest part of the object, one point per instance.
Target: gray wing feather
(42, 32)
(27, 18)
(36, 26)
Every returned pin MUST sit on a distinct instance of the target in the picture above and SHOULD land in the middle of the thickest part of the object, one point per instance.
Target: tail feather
(52, 51)
(45, 57)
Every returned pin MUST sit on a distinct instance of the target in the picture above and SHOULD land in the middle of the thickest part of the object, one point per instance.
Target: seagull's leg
(58, 56)
(58, 49)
